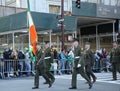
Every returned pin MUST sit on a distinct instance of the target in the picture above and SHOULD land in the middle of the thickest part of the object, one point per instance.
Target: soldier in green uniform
(48, 60)
(40, 69)
(78, 68)
(115, 59)
(89, 62)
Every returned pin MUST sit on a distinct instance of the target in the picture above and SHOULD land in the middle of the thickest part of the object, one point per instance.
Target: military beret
(75, 39)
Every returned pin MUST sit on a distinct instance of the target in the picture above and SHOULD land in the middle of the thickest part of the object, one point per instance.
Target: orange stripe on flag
(33, 33)
(33, 38)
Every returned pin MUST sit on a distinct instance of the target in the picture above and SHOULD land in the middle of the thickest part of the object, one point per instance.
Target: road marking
(101, 77)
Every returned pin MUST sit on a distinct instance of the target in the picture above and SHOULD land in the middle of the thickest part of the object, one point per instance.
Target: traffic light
(78, 4)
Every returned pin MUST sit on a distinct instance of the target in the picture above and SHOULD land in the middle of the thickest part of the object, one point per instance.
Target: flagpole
(28, 10)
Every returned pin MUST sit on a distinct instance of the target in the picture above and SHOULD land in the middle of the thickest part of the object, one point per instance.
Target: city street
(62, 83)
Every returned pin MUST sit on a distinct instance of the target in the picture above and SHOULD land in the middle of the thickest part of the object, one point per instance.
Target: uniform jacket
(77, 52)
(115, 55)
(89, 57)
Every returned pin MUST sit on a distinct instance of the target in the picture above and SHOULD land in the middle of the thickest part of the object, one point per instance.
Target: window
(54, 9)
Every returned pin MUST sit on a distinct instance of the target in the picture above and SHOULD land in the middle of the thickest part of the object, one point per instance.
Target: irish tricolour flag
(32, 30)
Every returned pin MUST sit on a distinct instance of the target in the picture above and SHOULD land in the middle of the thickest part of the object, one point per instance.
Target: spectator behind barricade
(21, 58)
(27, 62)
(63, 60)
(6, 55)
(1, 63)
(14, 63)
(32, 59)
(97, 61)
(70, 58)
(54, 65)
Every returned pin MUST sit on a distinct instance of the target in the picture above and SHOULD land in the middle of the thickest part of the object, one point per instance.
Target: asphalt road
(62, 83)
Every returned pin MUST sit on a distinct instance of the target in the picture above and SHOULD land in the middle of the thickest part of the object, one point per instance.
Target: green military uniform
(40, 69)
(89, 62)
(115, 60)
(48, 59)
(77, 54)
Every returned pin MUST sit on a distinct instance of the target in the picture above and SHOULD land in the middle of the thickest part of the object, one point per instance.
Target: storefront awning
(43, 21)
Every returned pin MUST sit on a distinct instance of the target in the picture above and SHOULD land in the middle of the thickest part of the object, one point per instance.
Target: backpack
(21, 55)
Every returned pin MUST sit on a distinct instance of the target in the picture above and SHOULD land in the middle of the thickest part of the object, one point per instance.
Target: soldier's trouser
(74, 77)
(89, 72)
(45, 76)
(114, 70)
(82, 73)
(50, 75)
(36, 79)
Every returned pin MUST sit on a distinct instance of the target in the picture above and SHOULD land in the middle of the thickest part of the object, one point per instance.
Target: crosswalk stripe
(101, 77)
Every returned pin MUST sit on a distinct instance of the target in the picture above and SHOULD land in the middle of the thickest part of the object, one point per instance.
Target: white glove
(79, 65)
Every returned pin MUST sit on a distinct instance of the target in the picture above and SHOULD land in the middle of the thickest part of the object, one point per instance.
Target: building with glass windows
(97, 21)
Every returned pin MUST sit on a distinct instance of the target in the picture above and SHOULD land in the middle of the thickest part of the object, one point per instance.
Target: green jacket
(115, 55)
(89, 57)
(38, 57)
(77, 53)
(47, 58)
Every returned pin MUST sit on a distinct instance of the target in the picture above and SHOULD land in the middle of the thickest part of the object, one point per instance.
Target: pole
(50, 37)
(13, 40)
(62, 23)
(97, 37)
(114, 31)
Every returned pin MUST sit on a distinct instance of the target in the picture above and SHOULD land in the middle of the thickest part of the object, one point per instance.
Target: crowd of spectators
(18, 63)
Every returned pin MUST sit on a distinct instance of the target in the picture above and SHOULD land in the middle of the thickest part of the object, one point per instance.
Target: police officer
(78, 68)
(115, 59)
(48, 60)
(89, 62)
(40, 69)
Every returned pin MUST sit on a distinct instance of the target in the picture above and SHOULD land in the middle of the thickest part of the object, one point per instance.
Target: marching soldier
(48, 60)
(40, 69)
(78, 68)
(89, 62)
(115, 59)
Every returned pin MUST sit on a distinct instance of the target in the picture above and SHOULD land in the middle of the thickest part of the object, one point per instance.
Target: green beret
(75, 39)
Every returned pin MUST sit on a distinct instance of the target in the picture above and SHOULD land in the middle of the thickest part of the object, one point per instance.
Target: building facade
(97, 20)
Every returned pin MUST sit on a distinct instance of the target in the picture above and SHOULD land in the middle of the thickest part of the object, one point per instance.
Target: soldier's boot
(90, 85)
(35, 87)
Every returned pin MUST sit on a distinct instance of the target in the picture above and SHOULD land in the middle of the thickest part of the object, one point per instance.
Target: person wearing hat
(89, 62)
(40, 68)
(78, 68)
(48, 60)
(115, 59)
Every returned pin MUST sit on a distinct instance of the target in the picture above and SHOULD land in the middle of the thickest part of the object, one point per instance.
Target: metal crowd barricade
(14, 68)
